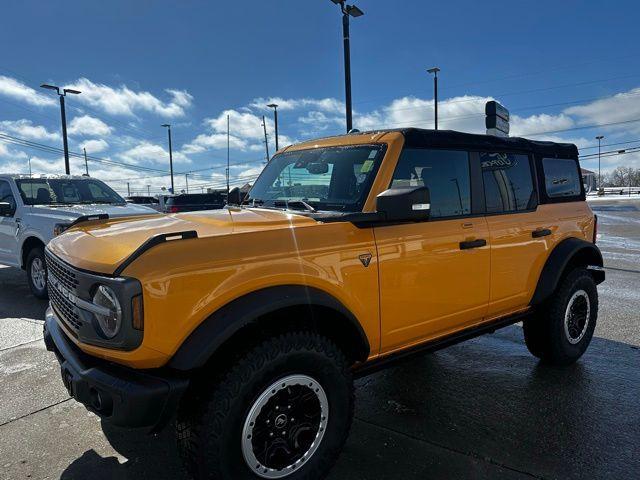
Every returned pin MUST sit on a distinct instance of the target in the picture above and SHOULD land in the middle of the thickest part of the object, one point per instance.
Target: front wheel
(561, 331)
(37, 273)
(282, 411)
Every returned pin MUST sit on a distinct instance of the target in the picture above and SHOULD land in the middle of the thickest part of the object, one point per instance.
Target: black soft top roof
(420, 138)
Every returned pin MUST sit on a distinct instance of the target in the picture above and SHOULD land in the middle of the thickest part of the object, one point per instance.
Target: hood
(71, 212)
(101, 246)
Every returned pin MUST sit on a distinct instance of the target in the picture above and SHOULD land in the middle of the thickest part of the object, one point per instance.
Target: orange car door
(520, 232)
(434, 275)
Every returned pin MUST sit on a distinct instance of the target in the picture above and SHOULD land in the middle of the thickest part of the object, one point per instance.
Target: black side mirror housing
(404, 204)
(6, 210)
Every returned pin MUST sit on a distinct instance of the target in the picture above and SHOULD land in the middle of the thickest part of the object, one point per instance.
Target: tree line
(621, 177)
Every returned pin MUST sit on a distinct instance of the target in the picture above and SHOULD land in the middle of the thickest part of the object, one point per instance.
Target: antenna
(266, 143)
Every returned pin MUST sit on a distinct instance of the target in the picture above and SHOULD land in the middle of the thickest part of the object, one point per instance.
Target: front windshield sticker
(366, 166)
(373, 154)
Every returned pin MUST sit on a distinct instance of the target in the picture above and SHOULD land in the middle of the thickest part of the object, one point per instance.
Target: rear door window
(508, 182)
(561, 177)
(444, 172)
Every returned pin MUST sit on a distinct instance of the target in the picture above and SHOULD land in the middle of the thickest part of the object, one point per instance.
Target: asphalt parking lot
(481, 409)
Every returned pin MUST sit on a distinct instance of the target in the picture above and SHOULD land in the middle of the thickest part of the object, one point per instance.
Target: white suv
(34, 209)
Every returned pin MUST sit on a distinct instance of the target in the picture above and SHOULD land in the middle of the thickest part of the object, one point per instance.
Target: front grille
(65, 275)
(64, 308)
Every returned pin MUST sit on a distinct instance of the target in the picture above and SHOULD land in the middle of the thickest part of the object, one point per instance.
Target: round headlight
(109, 324)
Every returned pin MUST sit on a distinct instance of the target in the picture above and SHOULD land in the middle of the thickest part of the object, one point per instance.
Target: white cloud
(151, 152)
(534, 124)
(124, 101)
(247, 133)
(329, 105)
(26, 129)
(88, 126)
(13, 88)
(94, 146)
(617, 108)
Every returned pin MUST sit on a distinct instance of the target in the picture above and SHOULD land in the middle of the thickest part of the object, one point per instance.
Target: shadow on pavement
(482, 409)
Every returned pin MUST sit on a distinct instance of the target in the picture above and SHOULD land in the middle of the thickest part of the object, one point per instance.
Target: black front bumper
(123, 396)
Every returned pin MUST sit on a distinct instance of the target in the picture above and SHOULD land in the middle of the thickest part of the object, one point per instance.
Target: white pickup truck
(34, 209)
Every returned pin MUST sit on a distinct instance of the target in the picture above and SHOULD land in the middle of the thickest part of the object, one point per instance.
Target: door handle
(541, 232)
(481, 242)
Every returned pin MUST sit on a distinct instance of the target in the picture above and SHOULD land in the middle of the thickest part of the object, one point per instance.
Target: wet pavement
(481, 409)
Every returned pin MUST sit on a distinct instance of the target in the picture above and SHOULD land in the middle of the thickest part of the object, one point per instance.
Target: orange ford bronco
(250, 323)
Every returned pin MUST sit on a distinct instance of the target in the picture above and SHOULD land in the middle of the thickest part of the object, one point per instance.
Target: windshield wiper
(294, 204)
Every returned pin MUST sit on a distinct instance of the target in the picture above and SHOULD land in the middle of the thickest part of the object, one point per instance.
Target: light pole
(435, 71)
(275, 121)
(168, 127)
(266, 142)
(347, 11)
(63, 114)
(599, 138)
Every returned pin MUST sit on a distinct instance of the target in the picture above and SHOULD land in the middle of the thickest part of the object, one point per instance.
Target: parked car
(34, 209)
(189, 202)
(351, 253)
(151, 202)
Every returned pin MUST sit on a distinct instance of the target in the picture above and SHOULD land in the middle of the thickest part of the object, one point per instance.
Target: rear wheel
(562, 330)
(282, 411)
(37, 272)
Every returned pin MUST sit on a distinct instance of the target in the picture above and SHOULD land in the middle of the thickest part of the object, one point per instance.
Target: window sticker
(366, 166)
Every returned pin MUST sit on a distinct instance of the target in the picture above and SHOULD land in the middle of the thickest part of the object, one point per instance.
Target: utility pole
(599, 138)
(86, 165)
(435, 71)
(275, 121)
(63, 116)
(148, 190)
(347, 11)
(186, 180)
(168, 127)
(128, 190)
(266, 143)
(228, 137)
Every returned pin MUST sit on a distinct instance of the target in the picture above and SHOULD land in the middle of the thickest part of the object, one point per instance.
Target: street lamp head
(70, 90)
(433, 70)
(166, 125)
(599, 137)
(338, 2)
(273, 105)
(354, 11)
(50, 87)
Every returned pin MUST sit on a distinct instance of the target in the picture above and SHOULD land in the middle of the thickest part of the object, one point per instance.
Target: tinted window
(45, 191)
(561, 177)
(197, 199)
(6, 195)
(508, 183)
(444, 172)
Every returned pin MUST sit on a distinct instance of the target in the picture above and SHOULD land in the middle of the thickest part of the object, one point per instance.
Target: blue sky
(560, 67)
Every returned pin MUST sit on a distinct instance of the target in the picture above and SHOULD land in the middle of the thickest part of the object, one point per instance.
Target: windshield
(332, 178)
(65, 191)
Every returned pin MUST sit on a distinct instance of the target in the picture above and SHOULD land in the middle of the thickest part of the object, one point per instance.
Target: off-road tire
(36, 253)
(544, 332)
(211, 418)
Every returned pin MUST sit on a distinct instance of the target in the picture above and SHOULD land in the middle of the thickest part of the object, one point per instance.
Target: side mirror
(404, 204)
(6, 210)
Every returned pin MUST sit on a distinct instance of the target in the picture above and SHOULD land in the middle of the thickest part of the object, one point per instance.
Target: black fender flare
(563, 255)
(220, 326)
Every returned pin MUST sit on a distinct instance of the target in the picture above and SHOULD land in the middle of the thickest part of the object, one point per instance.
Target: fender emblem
(365, 258)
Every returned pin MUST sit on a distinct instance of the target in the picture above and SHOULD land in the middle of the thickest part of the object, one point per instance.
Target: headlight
(109, 324)
(59, 228)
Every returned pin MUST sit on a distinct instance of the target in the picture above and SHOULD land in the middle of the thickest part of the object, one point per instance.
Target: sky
(567, 71)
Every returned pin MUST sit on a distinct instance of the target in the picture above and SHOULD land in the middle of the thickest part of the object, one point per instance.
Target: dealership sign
(497, 119)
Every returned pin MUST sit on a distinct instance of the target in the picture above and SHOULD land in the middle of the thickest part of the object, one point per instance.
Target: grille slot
(66, 310)
(64, 275)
